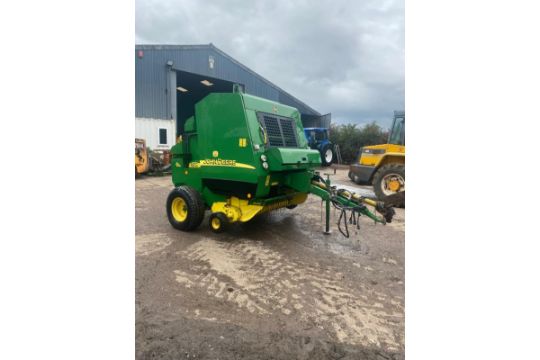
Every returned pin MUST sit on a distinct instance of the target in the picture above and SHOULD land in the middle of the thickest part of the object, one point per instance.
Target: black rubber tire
(323, 151)
(354, 178)
(381, 173)
(224, 221)
(290, 207)
(194, 204)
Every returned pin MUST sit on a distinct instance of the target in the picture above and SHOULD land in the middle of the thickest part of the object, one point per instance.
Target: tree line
(350, 138)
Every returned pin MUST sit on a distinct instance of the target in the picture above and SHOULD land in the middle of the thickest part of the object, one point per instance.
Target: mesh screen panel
(281, 131)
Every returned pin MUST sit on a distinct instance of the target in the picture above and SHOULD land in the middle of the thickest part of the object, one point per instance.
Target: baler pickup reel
(350, 205)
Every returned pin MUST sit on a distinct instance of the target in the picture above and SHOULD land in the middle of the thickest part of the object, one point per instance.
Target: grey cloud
(343, 57)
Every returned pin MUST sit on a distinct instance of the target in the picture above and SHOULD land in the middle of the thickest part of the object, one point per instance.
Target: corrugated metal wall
(153, 93)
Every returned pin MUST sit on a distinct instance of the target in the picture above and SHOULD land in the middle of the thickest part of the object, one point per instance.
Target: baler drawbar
(241, 156)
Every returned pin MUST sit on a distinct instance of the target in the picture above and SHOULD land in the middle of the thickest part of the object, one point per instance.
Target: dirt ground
(273, 288)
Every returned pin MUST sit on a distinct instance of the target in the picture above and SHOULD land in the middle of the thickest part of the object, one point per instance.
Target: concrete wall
(148, 129)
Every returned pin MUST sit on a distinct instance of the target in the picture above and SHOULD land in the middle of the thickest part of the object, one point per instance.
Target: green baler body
(220, 152)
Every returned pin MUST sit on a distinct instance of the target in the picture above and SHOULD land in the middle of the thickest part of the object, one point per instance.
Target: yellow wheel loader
(383, 165)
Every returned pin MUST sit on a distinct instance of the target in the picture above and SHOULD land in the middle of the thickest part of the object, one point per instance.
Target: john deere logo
(274, 109)
(215, 153)
(219, 162)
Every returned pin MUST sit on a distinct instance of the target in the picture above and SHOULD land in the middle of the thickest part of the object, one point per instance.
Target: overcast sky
(343, 57)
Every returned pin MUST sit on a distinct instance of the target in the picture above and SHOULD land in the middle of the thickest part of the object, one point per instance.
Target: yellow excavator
(383, 165)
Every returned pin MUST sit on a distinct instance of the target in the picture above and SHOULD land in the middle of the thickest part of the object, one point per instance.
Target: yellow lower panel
(237, 209)
(240, 210)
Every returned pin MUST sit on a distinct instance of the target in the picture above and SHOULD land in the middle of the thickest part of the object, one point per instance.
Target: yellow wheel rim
(179, 209)
(394, 185)
(216, 223)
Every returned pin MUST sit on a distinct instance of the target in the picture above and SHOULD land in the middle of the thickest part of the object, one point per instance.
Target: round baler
(240, 156)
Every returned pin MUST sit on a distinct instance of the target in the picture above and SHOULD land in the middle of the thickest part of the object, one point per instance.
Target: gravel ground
(273, 288)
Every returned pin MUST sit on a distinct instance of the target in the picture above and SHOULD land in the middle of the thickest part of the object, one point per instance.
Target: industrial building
(171, 79)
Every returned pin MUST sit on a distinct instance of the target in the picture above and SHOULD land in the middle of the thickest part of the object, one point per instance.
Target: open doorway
(192, 88)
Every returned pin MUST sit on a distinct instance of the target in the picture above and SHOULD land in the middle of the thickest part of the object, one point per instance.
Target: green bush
(350, 138)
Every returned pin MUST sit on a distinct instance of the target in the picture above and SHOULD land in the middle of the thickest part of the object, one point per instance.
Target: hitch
(350, 205)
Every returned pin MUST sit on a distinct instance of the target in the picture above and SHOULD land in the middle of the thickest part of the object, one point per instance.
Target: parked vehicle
(142, 160)
(318, 139)
(148, 161)
(383, 165)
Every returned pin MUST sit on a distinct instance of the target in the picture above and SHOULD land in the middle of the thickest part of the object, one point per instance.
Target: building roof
(285, 97)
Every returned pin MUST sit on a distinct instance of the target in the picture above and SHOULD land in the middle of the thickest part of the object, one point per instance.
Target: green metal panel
(189, 126)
